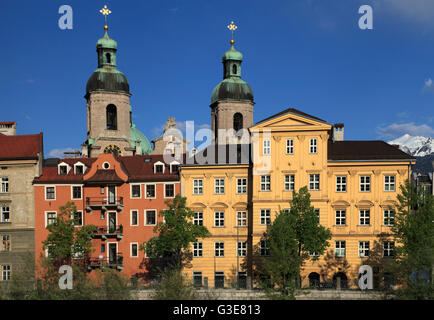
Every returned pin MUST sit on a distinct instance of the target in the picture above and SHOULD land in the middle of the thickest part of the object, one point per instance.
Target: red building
(121, 196)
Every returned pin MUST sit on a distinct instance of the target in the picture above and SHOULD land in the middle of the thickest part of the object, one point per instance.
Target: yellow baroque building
(239, 182)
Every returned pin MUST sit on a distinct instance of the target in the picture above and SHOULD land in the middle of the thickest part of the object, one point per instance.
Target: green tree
(174, 286)
(67, 243)
(414, 232)
(291, 237)
(171, 248)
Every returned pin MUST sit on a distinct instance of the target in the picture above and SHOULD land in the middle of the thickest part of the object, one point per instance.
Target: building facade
(121, 196)
(353, 185)
(20, 161)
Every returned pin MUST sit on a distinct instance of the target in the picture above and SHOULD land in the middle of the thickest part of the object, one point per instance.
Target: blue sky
(306, 54)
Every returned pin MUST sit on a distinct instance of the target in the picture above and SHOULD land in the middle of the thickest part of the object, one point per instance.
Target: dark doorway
(314, 280)
(112, 222)
(111, 194)
(112, 253)
(342, 277)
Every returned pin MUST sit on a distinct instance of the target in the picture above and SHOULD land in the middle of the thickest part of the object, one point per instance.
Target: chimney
(8, 128)
(338, 132)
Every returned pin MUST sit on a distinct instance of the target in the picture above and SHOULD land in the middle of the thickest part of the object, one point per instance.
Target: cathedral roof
(107, 79)
(232, 89)
(136, 135)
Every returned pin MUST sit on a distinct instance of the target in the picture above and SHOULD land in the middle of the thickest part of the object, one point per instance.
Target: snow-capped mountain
(417, 146)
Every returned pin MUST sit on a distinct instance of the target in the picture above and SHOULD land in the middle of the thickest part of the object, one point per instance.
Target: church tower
(109, 115)
(232, 99)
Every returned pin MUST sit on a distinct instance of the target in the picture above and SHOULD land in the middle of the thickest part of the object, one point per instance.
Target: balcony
(114, 262)
(104, 203)
(111, 232)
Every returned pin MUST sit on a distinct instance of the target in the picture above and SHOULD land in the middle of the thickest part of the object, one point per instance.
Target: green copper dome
(232, 87)
(107, 77)
(232, 54)
(135, 136)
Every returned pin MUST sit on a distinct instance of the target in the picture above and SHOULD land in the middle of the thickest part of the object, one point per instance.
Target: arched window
(234, 69)
(112, 117)
(108, 57)
(238, 121)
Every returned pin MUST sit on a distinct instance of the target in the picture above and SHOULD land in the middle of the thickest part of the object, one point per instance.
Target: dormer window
(63, 169)
(79, 168)
(174, 167)
(159, 167)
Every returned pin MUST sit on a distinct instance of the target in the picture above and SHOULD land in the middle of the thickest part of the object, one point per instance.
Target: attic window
(159, 168)
(106, 165)
(63, 170)
(147, 160)
(174, 167)
(79, 169)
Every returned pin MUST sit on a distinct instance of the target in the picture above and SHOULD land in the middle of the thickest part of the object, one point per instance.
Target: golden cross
(232, 27)
(105, 11)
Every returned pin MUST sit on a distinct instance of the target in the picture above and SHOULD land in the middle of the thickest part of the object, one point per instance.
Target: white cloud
(428, 85)
(417, 11)
(58, 153)
(398, 129)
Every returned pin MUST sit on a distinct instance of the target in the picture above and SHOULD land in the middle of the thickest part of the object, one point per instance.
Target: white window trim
(241, 178)
(107, 250)
(224, 186)
(131, 191)
(173, 163)
(289, 146)
(201, 193)
(265, 217)
(77, 164)
(155, 190)
(6, 183)
(72, 192)
(198, 250)
(174, 192)
(159, 163)
(46, 216)
(224, 218)
(10, 272)
(131, 250)
(365, 184)
(290, 183)
(82, 218)
(242, 249)
(341, 184)
(360, 249)
(131, 218)
(266, 147)
(220, 249)
(241, 219)
(145, 217)
(68, 167)
(314, 145)
(394, 182)
(314, 181)
(1, 213)
(45, 191)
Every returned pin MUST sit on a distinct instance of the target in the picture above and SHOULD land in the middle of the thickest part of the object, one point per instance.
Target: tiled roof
(293, 111)
(102, 175)
(365, 150)
(7, 122)
(21, 146)
(135, 167)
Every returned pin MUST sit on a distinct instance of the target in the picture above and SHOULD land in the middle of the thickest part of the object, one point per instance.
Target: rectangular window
(363, 249)
(6, 272)
(241, 219)
(265, 183)
(314, 182)
(341, 184)
(264, 249)
(388, 248)
(289, 146)
(169, 190)
(51, 218)
(78, 218)
(198, 186)
(159, 168)
(241, 185)
(198, 219)
(101, 190)
(313, 145)
(341, 219)
(134, 250)
(364, 217)
(339, 249)
(266, 147)
(219, 186)
(50, 193)
(389, 217)
(219, 279)
(197, 278)
(135, 191)
(5, 242)
(79, 169)
(102, 248)
(219, 219)
(365, 183)
(76, 192)
(317, 215)
(4, 188)
(265, 217)
(219, 249)
(150, 217)
(134, 218)
(5, 214)
(289, 182)
(242, 249)
(63, 170)
(197, 249)
(389, 183)
(150, 191)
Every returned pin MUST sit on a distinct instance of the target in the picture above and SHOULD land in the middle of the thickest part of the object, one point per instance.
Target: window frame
(364, 218)
(54, 192)
(242, 186)
(266, 147)
(165, 190)
(290, 184)
(241, 219)
(137, 218)
(131, 249)
(264, 183)
(46, 217)
(197, 188)
(220, 250)
(363, 249)
(4, 187)
(314, 182)
(389, 217)
(2, 212)
(219, 216)
(72, 192)
(313, 147)
(197, 249)
(340, 184)
(243, 249)
(8, 242)
(390, 249)
(218, 187)
(289, 146)
(340, 248)
(146, 190)
(146, 217)
(365, 183)
(388, 183)
(344, 217)
(265, 217)
(131, 191)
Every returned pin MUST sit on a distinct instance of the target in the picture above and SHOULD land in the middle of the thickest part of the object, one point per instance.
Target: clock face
(113, 149)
